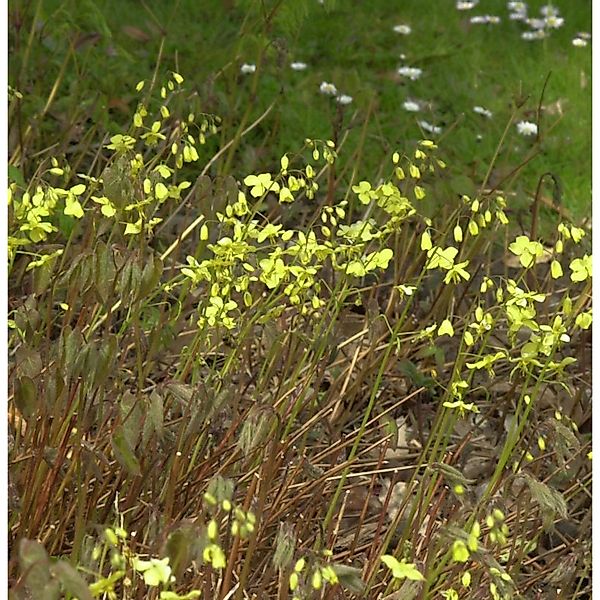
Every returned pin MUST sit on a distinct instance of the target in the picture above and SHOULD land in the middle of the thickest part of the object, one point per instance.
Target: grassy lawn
(354, 46)
(299, 300)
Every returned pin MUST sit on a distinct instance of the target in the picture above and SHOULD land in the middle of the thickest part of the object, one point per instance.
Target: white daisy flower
(402, 29)
(411, 106)
(579, 42)
(540, 34)
(527, 128)
(402, 56)
(247, 68)
(344, 99)
(517, 16)
(517, 6)
(485, 20)
(584, 35)
(465, 5)
(430, 128)
(411, 72)
(328, 88)
(482, 111)
(554, 21)
(549, 10)
(298, 66)
(536, 23)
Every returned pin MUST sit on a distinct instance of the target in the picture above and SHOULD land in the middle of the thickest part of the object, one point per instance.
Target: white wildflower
(298, 66)
(485, 20)
(517, 16)
(527, 128)
(536, 23)
(344, 99)
(411, 106)
(579, 42)
(402, 29)
(554, 21)
(466, 5)
(517, 6)
(430, 128)
(480, 110)
(549, 11)
(247, 68)
(533, 35)
(328, 88)
(411, 72)
(584, 35)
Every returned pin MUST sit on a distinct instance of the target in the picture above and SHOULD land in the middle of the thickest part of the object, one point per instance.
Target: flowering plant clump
(228, 360)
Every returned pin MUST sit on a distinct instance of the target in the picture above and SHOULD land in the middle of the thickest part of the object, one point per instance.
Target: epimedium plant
(148, 371)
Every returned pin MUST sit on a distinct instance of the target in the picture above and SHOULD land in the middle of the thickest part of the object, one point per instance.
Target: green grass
(354, 46)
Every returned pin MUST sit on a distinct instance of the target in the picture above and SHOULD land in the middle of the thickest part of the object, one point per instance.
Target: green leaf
(182, 392)
(181, 548)
(463, 185)
(26, 397)
(16, 175)
(124, 453)
(550, 501)
(284, 546)
(104, 270)
(150, 276)
(72, 343)
(156, 413)
(350, 578)
(71, 580)
(105, 358)
(29, 361)
(131, 418)
(34, 564)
